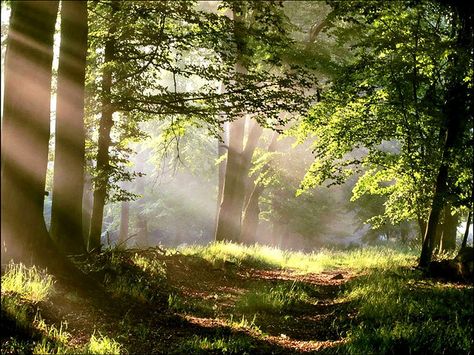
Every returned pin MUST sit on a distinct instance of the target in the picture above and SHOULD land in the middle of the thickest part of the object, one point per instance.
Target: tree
(459, 99)
(251, 19)
(387, 115)
(106, 123)
(69, 161)
(25, 129)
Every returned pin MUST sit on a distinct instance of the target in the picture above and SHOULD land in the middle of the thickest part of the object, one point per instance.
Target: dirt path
(309, 327)
(201, 301)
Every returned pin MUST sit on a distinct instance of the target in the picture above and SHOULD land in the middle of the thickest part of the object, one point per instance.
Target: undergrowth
(400, 312)
(262, 256)
(24, 330)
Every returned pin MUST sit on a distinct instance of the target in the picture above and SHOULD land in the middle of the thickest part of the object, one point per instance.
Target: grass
(279, 299)
(261, 256)
(387, 309)
(30, 283)
(216, 345)
(103, 345)
(399, 312)
(23, 328)
(138, 277)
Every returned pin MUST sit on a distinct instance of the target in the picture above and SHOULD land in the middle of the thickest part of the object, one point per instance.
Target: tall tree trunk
(124, 222)
(450, 225)
(455, 118)
(228, 223)
(252, 209)
(422, 225)
(68, 180)
(87, 201)
(238, 164)
(25, 129)
(106, 123)
(222, 148)
(466, 231)
(142, 223)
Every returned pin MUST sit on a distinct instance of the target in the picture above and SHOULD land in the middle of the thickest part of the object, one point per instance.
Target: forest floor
(172, 302)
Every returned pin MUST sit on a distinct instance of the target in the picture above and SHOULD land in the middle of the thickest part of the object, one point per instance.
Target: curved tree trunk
(68, 181)
(26, 129)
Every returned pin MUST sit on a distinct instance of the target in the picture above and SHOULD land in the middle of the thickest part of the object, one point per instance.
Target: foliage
(136, 275)
(171, 58)
(383, 115)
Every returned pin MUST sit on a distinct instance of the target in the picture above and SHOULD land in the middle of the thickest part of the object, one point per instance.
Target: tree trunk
(422, 225)
(252, 209)
(106, 123)
(450, 226)
(87, 201)
(466, 231)
(68, 181)
(238, 165)
(124, 222)
(26, 130)
(228, 223)
(455, 117)
(142, 223)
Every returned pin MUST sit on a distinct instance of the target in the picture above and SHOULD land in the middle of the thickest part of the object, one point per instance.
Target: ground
(157, 301)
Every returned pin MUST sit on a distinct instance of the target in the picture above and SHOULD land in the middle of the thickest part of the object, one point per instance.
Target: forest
(237, 177)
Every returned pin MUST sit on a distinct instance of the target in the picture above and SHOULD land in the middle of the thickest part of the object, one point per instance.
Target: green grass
(399, 312)
(261, 256)
(132, 275)
(102, 345)
(278, 299)
(216, 345)
(23, 288)
(30, 283)
(180, 304)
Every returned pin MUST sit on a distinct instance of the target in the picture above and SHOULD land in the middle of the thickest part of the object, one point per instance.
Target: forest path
(198, 304)
(247, 299)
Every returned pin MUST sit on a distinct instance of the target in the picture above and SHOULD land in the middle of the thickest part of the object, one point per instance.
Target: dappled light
(237, 177)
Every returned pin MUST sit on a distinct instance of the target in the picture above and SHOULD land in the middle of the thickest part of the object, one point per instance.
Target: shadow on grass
(401, 312)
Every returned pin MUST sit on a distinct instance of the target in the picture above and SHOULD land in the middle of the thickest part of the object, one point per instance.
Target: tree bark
(106, 123)
(68, 180)
(26, 129)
